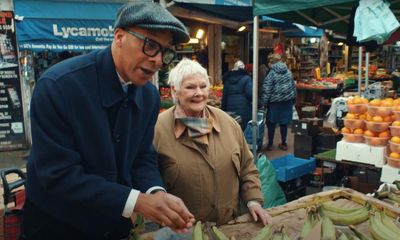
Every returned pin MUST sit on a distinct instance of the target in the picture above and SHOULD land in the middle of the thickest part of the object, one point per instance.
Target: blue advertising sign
(64, 34)
(60, 26)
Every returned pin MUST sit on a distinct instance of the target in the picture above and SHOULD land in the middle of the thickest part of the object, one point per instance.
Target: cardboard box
(307, 126)
(360, 152)
(390, 174)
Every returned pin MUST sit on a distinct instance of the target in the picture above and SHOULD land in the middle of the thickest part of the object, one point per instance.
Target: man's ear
(118, 36)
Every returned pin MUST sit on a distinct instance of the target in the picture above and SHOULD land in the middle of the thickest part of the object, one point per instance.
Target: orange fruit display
(395, 139)
(377, 119)
(351, 116)
(358, 101)
(375, 103)
(384, 134)
(387, 119)
(369, 133)
(362, 116)
(345, 130)
(394, 155)
(358, 131)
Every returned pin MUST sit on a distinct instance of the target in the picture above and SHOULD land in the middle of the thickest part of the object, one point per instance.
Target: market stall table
(329, 156)
(292, 215)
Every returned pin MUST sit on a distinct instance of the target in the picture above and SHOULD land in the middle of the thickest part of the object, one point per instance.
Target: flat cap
(151, 16)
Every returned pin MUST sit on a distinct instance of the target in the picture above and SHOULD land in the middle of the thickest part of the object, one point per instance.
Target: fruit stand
(344, 207)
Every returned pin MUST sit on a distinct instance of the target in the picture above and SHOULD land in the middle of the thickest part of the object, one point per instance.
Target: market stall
(350, 213)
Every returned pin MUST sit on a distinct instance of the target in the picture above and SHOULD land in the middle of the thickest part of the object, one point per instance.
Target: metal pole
(255, 86)
(366, 69)
(359, 69)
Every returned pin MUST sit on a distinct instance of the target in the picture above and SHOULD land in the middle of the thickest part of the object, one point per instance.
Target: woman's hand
(259, 213)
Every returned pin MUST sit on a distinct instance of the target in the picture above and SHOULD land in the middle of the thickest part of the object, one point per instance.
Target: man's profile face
(131, 62)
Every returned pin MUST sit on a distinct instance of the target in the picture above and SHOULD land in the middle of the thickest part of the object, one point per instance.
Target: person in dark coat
(92, 168)
(278, 96)
(237, 93)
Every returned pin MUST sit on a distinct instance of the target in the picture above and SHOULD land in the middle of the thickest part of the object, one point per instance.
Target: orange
(395, 139)
(384, 134)
(389, 100)
(364, 100)
(377, 119)
(396, 108)
(375, 102)
(350, 101)
(396, 102)
(394, 155)
(358, 131)
(362, 116)
(369, 117)
(351, 116)
(396, 123)
(387, 119)
(346, 130)
(387, 104)
(358, 101)
(369, 133)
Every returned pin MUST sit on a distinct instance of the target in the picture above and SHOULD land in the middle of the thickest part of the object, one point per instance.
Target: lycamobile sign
(66, 32)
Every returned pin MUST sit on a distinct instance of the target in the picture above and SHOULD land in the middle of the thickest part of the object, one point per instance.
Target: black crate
(304, 146)
(327, 141)
(296, 194)
(307, 126)
(291, 185)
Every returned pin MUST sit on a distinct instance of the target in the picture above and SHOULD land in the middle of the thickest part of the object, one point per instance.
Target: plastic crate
(290, 167)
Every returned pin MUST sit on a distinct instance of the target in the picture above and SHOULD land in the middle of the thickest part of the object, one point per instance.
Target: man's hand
(259, 213)
(166, 210)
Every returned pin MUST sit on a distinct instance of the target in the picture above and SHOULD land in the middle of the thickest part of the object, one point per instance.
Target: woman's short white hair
(183, 69)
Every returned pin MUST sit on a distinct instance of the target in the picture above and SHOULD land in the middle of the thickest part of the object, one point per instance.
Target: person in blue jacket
(237, 93)
(92, 167)
(278, 96)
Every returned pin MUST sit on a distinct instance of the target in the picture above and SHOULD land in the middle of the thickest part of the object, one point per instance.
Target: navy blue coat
(91, 143)
(237, 95)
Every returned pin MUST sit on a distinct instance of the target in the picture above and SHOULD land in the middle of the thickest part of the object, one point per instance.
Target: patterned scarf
(197, 127)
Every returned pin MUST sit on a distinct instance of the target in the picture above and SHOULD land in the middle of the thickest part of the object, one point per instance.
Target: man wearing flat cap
(92, 167)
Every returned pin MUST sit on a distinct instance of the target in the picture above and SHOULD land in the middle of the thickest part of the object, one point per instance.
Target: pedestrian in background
(237, 93)
(278, 96)
(92, 166)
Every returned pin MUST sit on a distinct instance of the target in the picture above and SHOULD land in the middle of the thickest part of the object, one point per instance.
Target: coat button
(117, 138)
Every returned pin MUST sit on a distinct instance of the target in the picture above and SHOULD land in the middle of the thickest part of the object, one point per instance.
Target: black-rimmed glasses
(151, 48)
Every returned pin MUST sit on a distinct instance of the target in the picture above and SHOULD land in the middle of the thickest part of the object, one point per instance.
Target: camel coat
(209, 179)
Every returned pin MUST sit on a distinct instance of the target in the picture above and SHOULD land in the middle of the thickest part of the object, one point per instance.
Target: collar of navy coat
(111, 91)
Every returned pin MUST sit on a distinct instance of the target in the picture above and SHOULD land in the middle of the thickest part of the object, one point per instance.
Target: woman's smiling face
(193, 95)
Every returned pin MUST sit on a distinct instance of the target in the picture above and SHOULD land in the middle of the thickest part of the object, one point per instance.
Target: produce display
(323, 83)
(335, 214)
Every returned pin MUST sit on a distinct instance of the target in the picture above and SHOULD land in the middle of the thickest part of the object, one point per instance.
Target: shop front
(51, 31)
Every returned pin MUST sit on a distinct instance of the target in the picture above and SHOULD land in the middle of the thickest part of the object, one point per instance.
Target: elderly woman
(203, 156)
